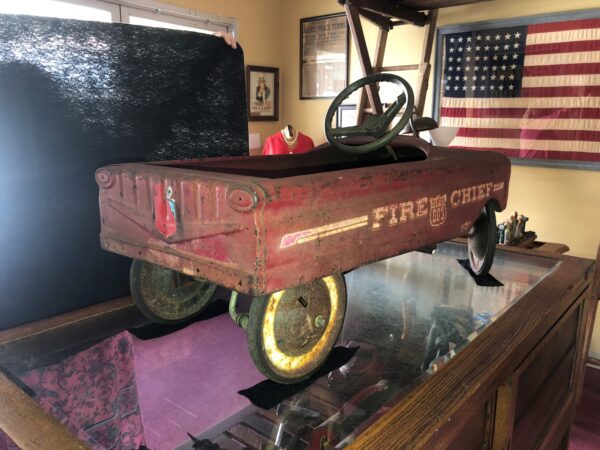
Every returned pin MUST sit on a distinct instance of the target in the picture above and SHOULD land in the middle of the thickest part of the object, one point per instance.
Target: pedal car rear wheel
(166, 296)
(292, 332)
(482, 241)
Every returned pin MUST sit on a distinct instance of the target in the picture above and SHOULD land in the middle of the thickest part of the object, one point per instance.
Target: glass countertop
(406, 317)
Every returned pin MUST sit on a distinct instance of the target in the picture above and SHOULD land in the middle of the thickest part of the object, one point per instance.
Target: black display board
(75, 96)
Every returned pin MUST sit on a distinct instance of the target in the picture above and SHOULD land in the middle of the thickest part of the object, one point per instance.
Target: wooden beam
(425, 66)
(363, 54)
(423, 5)
(506, 399)
(380, 50)
(377, 19)
(596, 284)
(28, 425)
(397, 23)
(379, 54)
(50, 340)
(391, 9)
(63, 320)
(400, 68)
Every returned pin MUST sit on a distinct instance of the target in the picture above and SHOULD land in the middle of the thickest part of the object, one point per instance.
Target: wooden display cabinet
(516, 384)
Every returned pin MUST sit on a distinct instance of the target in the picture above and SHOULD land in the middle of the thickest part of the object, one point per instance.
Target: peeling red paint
(262, 224)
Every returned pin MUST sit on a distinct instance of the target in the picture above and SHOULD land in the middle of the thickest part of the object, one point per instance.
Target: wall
(562, 203)
(258, 28)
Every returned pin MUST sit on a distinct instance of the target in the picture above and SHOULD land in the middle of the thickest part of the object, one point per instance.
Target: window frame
(189, 17)
(121, 10)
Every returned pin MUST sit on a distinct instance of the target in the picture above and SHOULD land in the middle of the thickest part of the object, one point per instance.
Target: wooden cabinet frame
(435, 413)
(480, 379)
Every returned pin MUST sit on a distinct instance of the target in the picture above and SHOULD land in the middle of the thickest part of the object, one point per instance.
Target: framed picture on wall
(525, 87)
(323, 56)
(262, 84)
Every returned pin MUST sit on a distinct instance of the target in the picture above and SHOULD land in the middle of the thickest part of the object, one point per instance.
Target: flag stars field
(529, 91)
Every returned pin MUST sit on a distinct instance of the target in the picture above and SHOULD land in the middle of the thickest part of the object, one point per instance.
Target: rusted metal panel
(262, 224)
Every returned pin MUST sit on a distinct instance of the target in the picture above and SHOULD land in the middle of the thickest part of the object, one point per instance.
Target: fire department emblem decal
(165, 210)
(437, 210)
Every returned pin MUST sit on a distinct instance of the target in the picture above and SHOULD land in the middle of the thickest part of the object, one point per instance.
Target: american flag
(525, 91)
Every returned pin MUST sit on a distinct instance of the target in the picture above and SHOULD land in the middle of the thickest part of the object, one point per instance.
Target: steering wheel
(375, 125)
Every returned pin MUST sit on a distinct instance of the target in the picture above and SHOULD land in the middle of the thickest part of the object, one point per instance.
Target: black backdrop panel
(75, 96)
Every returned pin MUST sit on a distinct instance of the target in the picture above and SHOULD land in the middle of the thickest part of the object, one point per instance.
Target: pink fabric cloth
(94, 394)
(186, 381)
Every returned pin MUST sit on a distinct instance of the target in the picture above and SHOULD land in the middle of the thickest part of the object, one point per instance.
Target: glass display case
(406, 317)
(192, 387)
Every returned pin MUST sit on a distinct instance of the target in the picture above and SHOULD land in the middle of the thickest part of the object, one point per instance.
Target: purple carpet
(124, 391)
(188, 380)
(585, 433)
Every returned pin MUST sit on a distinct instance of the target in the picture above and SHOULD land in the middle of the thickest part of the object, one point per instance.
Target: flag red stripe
(528, 113)
(514, 133)
(540, 154)
(561, 69)
(563, 47)
(551, 138)
(579, 24)
(562, 91)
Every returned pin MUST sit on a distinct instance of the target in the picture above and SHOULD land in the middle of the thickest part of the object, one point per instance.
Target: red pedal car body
(262, 224)
(284, 229)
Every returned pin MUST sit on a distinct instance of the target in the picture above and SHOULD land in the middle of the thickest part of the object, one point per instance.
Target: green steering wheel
(375, 125)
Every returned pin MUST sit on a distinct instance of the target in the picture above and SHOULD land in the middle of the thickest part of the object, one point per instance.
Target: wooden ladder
(382, 17)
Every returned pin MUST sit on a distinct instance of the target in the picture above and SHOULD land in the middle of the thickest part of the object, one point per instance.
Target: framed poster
(323, 56)
(526, 87)
(262, 84)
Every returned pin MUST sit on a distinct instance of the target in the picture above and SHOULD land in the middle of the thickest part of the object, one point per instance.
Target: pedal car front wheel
(166, 296)
(292, 332)
(482, 241)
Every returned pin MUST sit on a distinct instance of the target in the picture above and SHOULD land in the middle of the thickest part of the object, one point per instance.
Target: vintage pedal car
(284, 229)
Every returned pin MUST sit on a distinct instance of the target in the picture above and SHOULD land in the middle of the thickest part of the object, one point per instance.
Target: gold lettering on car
(393, 217)
(434, 207)
(395, 214)
(438, 211)
(470, 194)
(422, 207)
(455, 199)
(406, 211)
(378, 216)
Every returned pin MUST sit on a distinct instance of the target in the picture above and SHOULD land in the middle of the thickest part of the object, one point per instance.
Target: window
(83, 9)
(135, 12)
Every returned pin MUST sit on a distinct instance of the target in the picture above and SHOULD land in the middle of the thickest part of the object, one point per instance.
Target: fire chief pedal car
(283, 229)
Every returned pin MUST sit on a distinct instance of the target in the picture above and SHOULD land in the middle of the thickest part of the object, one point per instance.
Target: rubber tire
(135, 284)
(482, 239)
(256, 347)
